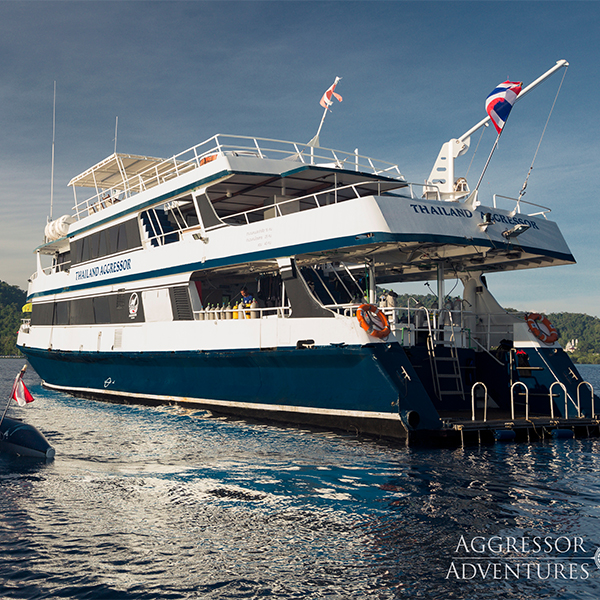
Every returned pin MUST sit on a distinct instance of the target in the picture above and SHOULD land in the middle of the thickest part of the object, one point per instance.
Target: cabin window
(82, 311)
(112, 236)
(118, 238)
(62, 313)
(42, 314)
(63, 261)
(92, 241)
(101, 309)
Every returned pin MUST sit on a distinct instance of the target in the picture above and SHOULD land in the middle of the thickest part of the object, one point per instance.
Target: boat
(18, 437)
(136, 295)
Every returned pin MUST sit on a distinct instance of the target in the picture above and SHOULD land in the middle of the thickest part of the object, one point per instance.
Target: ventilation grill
(180, 302)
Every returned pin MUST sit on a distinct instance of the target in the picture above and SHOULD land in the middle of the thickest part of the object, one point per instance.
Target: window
(118, 238)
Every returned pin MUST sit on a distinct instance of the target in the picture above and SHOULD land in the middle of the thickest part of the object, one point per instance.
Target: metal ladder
(454, 377)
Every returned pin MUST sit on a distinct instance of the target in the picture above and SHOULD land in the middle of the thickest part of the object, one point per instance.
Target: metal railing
(230, 145)
(485, 400)
(564, 389)
(220, 313)
(591, 388)
(517, 207)
(300, 203)
(512, 400)
(408, 322)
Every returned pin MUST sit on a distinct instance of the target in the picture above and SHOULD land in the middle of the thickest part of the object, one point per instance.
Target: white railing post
(591, 388)
(562, 385)
(473, 400)
(512, 400)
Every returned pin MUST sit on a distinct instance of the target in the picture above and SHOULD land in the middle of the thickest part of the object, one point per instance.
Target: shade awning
(116, 169)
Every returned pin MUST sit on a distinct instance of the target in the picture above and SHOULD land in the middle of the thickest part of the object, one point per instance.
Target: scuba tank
(254, 313)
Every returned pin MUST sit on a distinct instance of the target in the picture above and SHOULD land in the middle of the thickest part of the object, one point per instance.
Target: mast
(116, 128)
(53, 138)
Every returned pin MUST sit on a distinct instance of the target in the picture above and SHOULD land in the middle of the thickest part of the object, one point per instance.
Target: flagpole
(326, 103)
(315, 141)
(496, 142)
(489, 159)
(17, 379)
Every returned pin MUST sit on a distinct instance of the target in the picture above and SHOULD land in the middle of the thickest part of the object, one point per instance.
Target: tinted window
(42, 314)
(61, 313)
(102, 309)
(82, 311)
(118, 238)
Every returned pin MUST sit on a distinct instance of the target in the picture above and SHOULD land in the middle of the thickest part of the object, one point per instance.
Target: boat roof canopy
(116, 169)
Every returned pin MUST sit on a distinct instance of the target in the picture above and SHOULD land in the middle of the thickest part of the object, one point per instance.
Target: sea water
(144, 502)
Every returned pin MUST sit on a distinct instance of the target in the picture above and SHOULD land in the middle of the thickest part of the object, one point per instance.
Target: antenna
(53, 138)
(116, 128)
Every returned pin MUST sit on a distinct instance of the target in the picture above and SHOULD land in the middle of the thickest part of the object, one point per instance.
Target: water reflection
(147, 502)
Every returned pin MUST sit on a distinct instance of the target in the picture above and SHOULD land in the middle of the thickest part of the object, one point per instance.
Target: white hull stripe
(227, 403)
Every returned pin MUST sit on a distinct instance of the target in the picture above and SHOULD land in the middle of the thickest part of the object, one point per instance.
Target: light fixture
(200, 237)
(515, 231)
(487, 221)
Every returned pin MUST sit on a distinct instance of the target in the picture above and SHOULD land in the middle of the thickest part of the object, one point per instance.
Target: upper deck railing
(125, 184)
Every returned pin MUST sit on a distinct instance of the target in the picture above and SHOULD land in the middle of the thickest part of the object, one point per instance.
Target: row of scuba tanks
(238, 311)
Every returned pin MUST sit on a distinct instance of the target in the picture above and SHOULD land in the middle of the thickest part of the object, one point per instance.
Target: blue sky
(415, 74)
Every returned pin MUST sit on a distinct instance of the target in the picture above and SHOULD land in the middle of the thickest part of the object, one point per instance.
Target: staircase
(159, 228)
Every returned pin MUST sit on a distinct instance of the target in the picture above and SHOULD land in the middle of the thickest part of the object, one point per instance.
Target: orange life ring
(373, 321)
(546, 338)
(207, 159)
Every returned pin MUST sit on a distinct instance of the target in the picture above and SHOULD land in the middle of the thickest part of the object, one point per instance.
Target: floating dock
(533, 429)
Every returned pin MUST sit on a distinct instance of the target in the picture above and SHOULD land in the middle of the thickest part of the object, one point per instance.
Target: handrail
(512, 400)
(521, 201)
(291, 201)
(222, 144)
(562, 385)
(220, 313)
(474, 339)
(591, 387)
(406, 316)
(473, 400)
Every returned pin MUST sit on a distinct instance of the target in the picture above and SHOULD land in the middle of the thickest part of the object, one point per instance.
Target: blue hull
(372, 389)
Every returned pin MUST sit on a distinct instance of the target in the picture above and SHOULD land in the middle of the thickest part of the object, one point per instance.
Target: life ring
(546, 338)
(373, 321)
(207, 159)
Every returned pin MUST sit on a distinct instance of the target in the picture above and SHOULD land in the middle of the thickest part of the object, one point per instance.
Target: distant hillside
(583, 328)
(12, 299)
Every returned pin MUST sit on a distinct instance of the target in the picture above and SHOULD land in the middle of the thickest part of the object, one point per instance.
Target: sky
(414, 75)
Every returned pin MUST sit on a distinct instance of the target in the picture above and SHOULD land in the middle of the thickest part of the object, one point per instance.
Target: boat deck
(466, 432)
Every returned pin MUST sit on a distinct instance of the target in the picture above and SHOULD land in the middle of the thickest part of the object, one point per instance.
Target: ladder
(453, 385)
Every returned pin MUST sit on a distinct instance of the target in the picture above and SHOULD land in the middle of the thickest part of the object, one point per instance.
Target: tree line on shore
(583, 328)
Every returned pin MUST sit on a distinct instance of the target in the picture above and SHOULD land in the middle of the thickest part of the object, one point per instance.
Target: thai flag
(20, 394)
(499, 103)
(326, 100)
